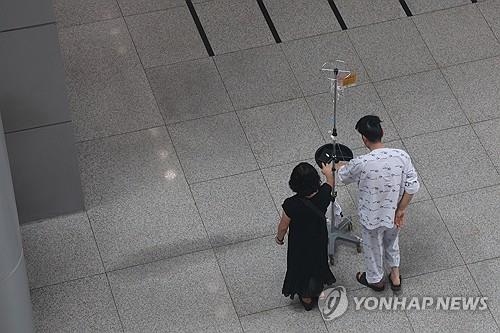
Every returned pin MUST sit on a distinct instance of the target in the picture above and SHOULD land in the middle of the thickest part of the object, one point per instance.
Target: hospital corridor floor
(189, 117)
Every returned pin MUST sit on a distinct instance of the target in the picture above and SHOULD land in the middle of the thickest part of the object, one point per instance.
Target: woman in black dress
(303, 215)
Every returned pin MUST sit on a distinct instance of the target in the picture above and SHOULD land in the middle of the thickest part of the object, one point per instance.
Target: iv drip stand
(342, 231)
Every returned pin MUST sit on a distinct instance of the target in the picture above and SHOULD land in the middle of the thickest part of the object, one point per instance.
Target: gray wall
(15, 304)
(35, 111)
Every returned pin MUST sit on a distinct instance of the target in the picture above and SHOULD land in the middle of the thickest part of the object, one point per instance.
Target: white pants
(379, 244)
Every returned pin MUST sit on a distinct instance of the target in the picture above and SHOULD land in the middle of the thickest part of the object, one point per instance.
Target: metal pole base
(342, 233)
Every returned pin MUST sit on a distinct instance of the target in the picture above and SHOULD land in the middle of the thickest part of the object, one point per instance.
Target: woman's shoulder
(291, 200)
(289, 204)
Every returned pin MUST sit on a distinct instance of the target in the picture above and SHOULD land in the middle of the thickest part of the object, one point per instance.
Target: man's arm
(349, 172)
(399, 219)
(412, 186)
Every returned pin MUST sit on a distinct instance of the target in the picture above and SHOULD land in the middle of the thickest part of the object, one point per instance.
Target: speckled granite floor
(184, 160)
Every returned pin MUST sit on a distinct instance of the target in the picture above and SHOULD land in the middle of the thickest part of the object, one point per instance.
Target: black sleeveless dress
(307, 258)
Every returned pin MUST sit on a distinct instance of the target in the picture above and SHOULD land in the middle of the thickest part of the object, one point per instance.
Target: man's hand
(399, 219)
(340, 165)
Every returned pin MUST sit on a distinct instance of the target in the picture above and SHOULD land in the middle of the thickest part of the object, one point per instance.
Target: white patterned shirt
(383, 175)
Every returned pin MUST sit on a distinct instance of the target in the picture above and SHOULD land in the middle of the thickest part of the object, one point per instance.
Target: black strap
(315, 209)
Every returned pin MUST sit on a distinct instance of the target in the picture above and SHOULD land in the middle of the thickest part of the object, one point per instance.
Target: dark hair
(304, 179)
(369, 127)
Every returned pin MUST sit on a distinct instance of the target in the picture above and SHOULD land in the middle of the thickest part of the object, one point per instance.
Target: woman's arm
(282, 228)
(326, 169)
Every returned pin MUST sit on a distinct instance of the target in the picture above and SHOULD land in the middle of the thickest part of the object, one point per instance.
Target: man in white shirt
(386, 182)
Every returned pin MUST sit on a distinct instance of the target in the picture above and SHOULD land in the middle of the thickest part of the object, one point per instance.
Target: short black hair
(369, 127)
(304, 180)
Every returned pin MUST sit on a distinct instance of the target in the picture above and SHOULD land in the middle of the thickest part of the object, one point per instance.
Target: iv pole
(334, 86)
(341, 231)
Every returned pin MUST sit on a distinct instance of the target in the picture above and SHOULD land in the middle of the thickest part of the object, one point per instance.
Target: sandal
(393, 286)
(361, 277)
(307, 306)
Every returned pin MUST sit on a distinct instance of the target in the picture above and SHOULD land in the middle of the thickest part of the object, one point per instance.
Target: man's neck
(374, 146)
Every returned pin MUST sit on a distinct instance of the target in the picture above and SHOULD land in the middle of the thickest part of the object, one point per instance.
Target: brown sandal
(361, 277)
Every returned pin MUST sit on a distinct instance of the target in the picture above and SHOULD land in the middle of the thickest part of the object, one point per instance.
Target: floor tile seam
(250, 48)
(191, 192)
(51, 22)
(448, 231)
(38, 127)
(138, 57)
(408, 17)
(246, 135)
(443, 9)
(224, 278)
(284, 42)
(179, 122)
(199, 27)
(481, 294)
(122, 15)
(405, 8)
(189, 185)
(253, 108)
(409, 138)
(67, 281)
(473, 129)
(237, 117)
(487, 23)
(105, 273)
(438, 197)
(318, 128)
(464, 62)
(300, 160)
(354, 289)
(159, 113)
(214, 249)
(358, 84)
(316, 122)
(114, 302)
(431, 132)
(61, 27)
(375, 89)
(374, 23)
(260, 168)
(106, 137)
(470, 123)
(166, 9)
(465, 191)
(409, 320)
(438, 67)
(485, 151)
(269, 21)
(171, 141)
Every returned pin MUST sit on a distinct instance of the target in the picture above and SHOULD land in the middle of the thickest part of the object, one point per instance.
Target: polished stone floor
(184, 160)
